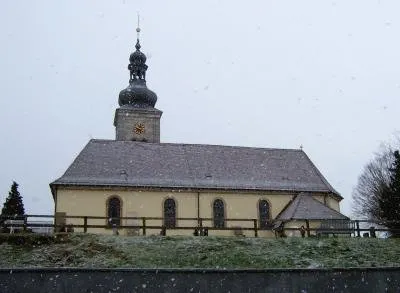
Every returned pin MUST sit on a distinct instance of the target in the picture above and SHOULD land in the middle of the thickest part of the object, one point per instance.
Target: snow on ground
(86, 250)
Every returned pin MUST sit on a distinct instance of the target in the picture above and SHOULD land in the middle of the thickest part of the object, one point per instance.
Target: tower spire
(137, 94)
(137, 61)
(138, 32)
(138, 26)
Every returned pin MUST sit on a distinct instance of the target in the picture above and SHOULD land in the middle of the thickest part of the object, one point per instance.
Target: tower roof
(137, 94)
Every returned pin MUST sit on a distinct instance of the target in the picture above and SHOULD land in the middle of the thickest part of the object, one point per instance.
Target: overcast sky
(276, 74)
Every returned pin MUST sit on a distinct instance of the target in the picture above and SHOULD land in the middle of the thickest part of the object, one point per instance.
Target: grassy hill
(86, 250)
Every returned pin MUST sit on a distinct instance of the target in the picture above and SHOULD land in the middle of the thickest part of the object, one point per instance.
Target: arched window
(263, 213)
(219, 213)
(114, 211)
(169, 213)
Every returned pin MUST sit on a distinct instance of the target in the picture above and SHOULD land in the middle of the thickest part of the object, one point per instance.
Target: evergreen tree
(389, 202)
(13, 204)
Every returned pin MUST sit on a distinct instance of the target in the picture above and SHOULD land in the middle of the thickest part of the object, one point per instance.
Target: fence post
(144, 225)
(163, 231)
(115, 229)
(85, 224)
(308, 228)
(358, 228)
(201, 222)
(25, 223)
(372, 232)
(255, 228)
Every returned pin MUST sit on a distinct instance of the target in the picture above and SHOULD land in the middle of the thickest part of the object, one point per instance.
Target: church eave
(83, 185)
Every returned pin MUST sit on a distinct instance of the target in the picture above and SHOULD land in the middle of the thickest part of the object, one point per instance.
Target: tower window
(263, 213)
(114, 211)
(169, 213)
(219, 213)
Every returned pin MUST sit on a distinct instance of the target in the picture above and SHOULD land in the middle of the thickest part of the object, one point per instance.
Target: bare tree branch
(373, 181)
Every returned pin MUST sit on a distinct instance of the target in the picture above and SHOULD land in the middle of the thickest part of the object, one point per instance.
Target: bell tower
(137, 119)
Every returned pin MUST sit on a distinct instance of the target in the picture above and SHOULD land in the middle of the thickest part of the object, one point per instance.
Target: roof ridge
(195, 144)
(297, 202)
(322, 176)
(286, 206)
(73, 162)
(291, 208)
(328, 207)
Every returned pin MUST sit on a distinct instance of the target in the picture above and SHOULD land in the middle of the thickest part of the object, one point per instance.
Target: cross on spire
(138, 26)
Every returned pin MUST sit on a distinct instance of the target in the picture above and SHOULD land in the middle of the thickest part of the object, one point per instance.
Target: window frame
(264, 220)
(109, 222)
(168, 221)
(219, 222)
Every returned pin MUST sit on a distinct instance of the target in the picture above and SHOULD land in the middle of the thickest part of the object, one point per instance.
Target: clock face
(139, 128)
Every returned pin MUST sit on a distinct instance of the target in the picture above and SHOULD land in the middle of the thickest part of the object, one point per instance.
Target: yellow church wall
(328, 200)
(242, 206)
(333, 203)
(80, 202)
(134, 204)
(319, 197)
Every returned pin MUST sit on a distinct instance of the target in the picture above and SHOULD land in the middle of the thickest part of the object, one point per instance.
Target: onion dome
(137, 94)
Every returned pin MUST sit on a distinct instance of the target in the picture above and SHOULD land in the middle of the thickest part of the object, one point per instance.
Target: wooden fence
(355, 228)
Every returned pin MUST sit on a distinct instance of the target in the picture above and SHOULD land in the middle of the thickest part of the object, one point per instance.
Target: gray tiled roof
(141, 164)
(305, 206)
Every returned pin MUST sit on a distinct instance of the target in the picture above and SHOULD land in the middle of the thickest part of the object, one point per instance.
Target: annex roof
(194, 166)
(305, 206)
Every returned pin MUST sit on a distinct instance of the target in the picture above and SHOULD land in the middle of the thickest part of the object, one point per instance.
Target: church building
(181, 186)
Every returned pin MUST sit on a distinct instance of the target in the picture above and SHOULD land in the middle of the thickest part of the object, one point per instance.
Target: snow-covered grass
(101, 251)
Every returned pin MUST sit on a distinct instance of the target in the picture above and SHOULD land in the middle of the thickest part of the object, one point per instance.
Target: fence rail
(357, 228)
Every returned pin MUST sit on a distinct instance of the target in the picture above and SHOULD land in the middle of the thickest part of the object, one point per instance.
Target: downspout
(55, 201)
(198, 208)
(55, 209)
